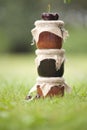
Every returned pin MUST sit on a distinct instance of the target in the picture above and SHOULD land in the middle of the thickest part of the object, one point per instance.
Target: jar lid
(58, 23)
(55, 27)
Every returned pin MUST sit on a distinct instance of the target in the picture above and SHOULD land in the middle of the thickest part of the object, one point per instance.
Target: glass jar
(49, 34)
(50, 63)
(50, 86)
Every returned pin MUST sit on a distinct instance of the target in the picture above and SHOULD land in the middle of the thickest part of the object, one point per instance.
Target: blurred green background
(17, 18)
(18, 71)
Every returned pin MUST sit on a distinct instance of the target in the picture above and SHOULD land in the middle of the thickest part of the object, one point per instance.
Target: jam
(47, 68)
(48, 40)
(54, 91)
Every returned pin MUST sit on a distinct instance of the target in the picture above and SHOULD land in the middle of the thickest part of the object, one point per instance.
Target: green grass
(18, 75)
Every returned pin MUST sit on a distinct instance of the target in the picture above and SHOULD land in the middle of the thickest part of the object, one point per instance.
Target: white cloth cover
(55, 27)
(56, 54)
(47, 83)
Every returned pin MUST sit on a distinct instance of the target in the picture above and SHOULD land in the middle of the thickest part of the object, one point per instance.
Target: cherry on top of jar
(50, 16)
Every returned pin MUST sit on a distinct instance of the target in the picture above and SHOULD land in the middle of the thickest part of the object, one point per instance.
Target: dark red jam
(47, 68)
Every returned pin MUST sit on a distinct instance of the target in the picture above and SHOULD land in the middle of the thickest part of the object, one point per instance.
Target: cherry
(50, 16)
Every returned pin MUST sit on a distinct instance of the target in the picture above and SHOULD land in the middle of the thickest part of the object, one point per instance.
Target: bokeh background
(18, 72)
(17, 18)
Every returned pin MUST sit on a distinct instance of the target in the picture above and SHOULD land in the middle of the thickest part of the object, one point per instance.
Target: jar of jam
(50, 87)
(50, 63)
(49, 34)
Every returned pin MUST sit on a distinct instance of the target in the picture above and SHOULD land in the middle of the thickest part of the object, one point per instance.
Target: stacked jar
(49, 35)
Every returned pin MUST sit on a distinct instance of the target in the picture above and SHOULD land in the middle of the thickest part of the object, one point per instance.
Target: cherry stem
(49, 7)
